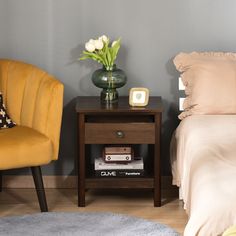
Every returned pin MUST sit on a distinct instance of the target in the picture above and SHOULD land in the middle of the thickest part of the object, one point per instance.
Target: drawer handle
(120, 134)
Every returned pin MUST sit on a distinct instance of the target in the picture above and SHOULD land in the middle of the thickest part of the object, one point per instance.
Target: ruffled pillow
(210, 82)
(5, 120)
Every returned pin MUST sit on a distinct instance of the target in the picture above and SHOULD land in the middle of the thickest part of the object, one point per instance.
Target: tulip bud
(104, 38)
(89, 47)
(98, 44)
(114, 43)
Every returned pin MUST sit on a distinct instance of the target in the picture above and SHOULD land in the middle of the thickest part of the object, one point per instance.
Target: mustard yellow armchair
(34, 101)
(230, 231)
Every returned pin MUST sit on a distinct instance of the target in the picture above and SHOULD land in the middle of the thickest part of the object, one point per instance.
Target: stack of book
(129, 169)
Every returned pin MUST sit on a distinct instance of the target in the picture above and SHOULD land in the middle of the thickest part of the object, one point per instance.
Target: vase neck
(109, 68)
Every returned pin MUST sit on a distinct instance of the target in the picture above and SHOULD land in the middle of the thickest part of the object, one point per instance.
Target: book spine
(119, 173)
(119, 167)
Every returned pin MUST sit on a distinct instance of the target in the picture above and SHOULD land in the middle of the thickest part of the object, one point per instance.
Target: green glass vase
(109, 81)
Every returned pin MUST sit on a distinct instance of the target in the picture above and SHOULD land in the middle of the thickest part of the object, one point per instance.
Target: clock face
(139, 97)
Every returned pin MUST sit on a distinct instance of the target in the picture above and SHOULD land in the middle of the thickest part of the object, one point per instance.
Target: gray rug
(82, 224)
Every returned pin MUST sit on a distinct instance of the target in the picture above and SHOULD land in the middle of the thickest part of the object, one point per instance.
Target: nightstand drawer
(118, 133)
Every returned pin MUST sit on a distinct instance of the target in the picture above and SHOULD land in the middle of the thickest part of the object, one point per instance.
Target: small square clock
(138, 97)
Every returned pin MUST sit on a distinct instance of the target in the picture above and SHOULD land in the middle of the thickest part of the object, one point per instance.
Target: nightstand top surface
(85, 104)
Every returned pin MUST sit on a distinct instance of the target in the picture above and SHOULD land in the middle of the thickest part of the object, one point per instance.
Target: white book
(99, 164)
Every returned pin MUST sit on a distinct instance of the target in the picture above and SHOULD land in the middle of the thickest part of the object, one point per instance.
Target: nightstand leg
(81, 189)
(81, 163)
(157, 162)
(157, 178)
(157, 197)
(157, 183)
(81, 198)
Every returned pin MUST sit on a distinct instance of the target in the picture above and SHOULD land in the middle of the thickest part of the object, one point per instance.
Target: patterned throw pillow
(5, 120)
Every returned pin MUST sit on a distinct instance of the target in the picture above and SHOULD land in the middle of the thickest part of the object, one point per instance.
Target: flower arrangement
(102, 51)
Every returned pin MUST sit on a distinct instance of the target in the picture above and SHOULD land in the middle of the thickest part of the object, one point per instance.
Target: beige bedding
(203, 158)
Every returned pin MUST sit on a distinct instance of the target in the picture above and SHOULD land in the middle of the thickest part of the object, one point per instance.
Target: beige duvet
(203, 158)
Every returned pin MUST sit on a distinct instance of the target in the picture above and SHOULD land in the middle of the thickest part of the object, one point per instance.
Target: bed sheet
(203, 159)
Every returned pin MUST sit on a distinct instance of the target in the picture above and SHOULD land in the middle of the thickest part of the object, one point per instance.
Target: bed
(203, 147)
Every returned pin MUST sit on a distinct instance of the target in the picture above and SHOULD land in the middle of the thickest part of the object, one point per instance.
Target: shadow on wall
(171, 121)
(68, 141)
(66, 163)
(86, 68)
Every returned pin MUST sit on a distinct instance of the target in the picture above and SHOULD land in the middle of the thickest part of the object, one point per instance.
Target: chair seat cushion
(24, 147)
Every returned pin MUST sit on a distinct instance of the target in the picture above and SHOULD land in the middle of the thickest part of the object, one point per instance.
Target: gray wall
(51, 34)
(3, 27)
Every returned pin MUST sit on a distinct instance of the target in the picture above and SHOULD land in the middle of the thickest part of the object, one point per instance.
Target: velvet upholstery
(230, 231)
(34, 101)
(19, 143)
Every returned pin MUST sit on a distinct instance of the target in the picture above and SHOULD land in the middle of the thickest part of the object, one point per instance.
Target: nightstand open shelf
(90, 174)
(99, 124)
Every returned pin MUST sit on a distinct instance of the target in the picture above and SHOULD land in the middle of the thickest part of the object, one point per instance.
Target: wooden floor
(132, 202)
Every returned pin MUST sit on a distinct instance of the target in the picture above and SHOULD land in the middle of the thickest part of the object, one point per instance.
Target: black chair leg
(38, 181)
(0, 181)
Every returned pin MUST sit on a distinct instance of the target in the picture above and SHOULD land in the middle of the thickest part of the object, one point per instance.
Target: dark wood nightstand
(102, 124)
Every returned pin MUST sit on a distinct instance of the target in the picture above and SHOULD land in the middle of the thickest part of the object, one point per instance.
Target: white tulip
(90, 47)
(98, 44)
(114, 43)
(92, 41)
(104, 38)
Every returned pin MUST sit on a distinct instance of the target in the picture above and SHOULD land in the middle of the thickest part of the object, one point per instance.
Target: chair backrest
(33, 98)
